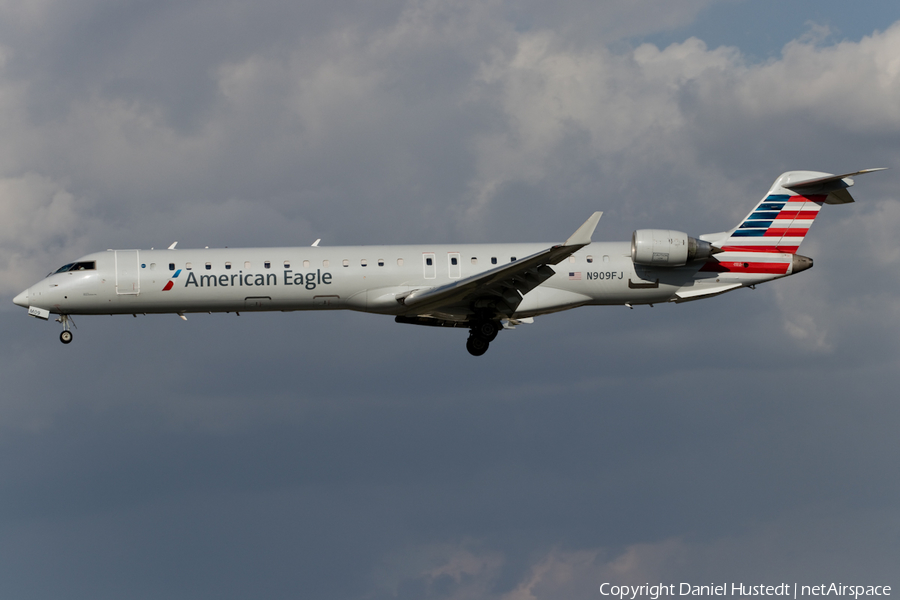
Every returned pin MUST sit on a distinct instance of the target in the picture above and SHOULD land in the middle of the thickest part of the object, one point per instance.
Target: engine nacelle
(665, 248)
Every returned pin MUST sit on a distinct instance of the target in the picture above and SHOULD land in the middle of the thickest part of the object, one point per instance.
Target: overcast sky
(748, 438)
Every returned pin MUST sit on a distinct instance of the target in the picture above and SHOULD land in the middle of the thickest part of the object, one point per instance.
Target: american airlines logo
(171, 283)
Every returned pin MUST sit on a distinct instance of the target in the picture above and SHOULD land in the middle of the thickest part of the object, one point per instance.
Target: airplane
(481, 287)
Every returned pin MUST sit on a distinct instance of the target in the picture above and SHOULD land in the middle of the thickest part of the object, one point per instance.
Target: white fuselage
(365, 278)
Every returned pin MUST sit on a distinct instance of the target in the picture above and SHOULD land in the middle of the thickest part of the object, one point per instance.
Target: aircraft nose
(21, 299)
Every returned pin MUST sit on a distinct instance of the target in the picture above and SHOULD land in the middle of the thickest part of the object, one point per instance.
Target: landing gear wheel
(486, 330)
(476, 346)
(65, 337)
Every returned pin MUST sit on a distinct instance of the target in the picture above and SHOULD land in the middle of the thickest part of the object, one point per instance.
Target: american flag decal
(576, 276)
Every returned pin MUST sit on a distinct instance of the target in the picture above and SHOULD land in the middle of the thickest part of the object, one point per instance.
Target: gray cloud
(341, 455)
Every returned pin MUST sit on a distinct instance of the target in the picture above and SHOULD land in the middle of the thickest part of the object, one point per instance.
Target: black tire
(65, 337)
(476, 346)
(486, 330)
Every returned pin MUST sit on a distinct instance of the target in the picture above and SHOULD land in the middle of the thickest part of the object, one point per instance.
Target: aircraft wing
(501, 288)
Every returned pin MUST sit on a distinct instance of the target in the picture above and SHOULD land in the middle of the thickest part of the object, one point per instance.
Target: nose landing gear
(66, 336)
(481, 334)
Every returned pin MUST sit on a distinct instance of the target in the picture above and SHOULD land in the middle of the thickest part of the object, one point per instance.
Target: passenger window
(363, 262)
(571, 259)
(605, 258)
(380, 262)
(152, 266)
(228, 265)
(171, 266)
(399, 262)
(512, 259)
(345, 262)
(287, 264)
(267, 264)
(326, 262)
(590, 258)
(246, 264)
(454, 260)
(305, 264)
(188, 266)
(208, 266)
(429, 261)
(474, 261)
(493, 260)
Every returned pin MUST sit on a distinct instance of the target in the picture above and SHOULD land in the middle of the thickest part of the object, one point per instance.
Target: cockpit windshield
(77, 266)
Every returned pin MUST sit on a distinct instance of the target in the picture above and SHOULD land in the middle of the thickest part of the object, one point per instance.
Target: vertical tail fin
(783, 217)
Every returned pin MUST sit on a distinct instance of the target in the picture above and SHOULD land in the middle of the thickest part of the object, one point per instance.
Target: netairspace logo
(788, 590)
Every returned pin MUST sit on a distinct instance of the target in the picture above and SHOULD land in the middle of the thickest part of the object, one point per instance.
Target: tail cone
(800, 263)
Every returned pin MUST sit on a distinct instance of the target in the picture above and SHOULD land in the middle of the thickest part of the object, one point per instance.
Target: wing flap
(698, 292)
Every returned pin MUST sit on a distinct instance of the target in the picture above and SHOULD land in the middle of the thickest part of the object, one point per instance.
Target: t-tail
(783, 217)
(765, 243)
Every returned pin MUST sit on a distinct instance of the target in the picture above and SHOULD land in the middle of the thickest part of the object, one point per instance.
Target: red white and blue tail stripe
(764, 245)
(778, 224)
(783, 217)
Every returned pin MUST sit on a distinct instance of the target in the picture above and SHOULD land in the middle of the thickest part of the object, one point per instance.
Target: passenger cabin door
(453, 266)
(128, 272)
(430, 269)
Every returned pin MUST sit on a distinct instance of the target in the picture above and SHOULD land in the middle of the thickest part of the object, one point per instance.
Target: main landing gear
(66, 336)
(481, 334)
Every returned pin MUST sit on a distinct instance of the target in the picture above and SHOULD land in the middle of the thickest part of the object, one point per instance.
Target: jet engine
(665, 248)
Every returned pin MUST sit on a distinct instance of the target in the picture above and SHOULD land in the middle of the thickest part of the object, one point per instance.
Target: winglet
(582, 237)
(172, 247)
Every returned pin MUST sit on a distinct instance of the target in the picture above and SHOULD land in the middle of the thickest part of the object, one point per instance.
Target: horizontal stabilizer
(834, 187)
(829, 179)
